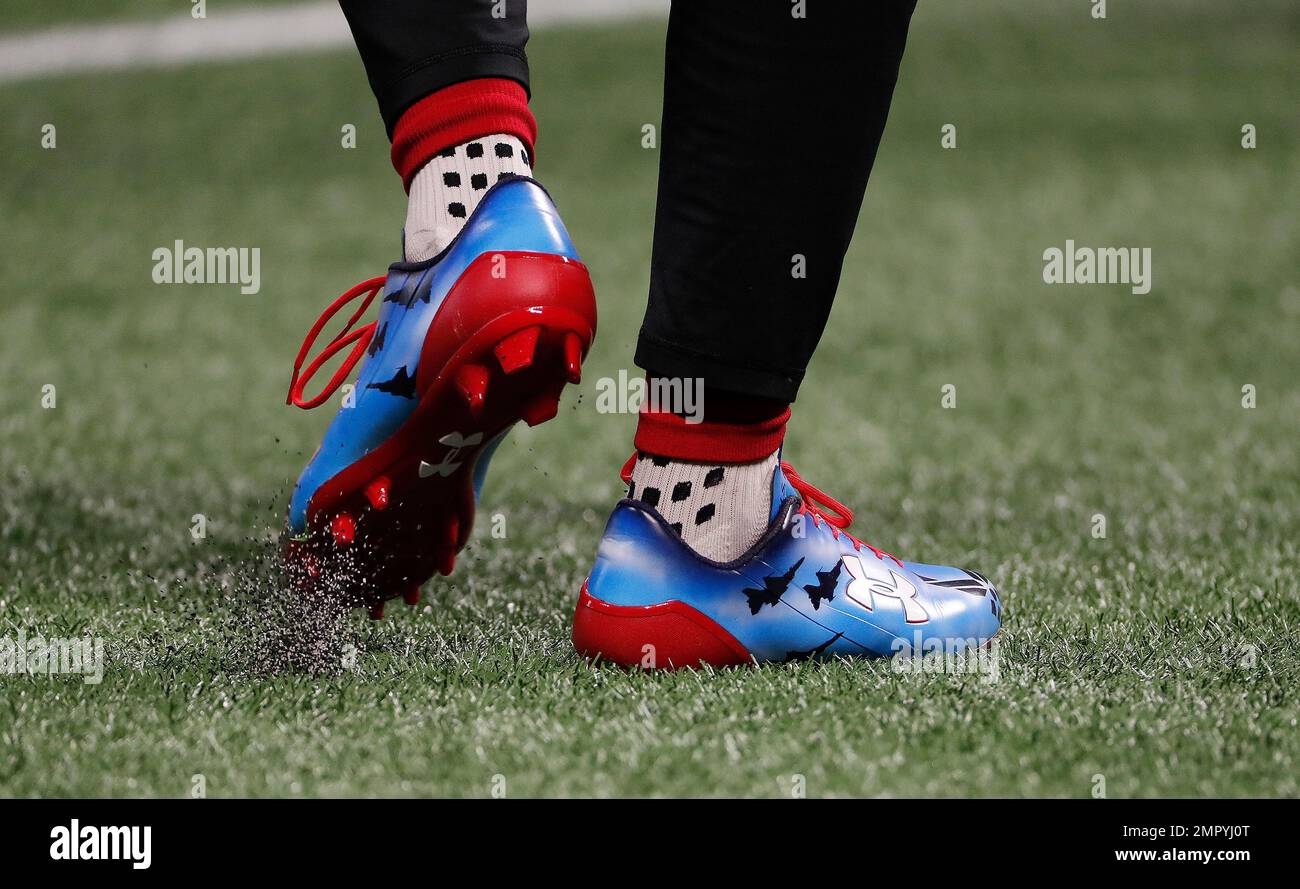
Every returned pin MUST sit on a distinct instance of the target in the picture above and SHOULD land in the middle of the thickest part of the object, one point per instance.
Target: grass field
(1163, 657)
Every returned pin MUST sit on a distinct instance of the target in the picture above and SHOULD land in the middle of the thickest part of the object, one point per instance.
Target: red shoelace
(359, 339)
(812, 502)
(820, 505)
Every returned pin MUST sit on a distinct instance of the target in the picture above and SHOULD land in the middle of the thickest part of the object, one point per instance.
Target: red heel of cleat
(412, 596)
(515, 352)
(573, 357)
(344, 529)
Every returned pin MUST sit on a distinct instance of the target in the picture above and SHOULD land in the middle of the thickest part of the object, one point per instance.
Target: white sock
(720, 510)
(447, 189)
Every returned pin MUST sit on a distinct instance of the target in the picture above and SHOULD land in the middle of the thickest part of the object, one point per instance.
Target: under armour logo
(873, 579)
(455, 441)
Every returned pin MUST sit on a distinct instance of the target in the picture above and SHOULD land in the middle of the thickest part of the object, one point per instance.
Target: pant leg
(412, 48)
(770, 128)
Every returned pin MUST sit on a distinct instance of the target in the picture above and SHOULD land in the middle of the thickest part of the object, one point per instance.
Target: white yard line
(241, 32)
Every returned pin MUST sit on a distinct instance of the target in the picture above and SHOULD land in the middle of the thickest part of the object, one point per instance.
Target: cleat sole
(411, 498)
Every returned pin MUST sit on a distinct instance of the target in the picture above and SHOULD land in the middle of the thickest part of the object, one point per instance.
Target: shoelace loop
(823, 507)
(359, 339)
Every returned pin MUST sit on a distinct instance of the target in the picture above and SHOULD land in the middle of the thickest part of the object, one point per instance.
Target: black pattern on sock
(720, 509)
(445, 192)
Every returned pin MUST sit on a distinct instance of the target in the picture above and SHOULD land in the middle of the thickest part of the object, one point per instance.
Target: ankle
(445, 192)
(711, 481)
(450, 148)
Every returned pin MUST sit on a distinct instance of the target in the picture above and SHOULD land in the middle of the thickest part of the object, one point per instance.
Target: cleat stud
(472, 381)
(452, 534)
(377, 492)
(573, 357)
(540, 409)
(376, 611)
(344, 529)
(446, 562)
(515, 352)
(412, 596)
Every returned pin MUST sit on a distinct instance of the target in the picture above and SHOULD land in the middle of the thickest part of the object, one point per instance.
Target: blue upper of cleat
(802, 591)
(515, 215)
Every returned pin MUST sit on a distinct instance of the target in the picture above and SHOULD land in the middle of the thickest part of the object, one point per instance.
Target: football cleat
(807, 589)
(466, 344)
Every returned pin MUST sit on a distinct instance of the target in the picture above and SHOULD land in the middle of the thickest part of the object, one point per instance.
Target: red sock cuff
(459, 113)
(669, 435)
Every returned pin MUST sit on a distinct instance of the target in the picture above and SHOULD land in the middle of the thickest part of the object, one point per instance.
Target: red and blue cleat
(807, 589)
(466, 344)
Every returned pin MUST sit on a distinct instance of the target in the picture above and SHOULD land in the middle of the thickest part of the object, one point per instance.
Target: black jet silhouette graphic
(402, 384)
(824, 588)
(774, 587)
(377, 342)
(812, 652)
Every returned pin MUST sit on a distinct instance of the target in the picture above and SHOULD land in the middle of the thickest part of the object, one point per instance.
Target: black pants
(770, 128)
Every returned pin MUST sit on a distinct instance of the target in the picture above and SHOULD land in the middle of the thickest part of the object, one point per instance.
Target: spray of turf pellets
(267, 614)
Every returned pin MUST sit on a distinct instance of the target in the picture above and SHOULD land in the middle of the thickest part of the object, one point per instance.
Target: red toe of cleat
(573, 357)
(344, 529)
(515, 352)
(472, 381)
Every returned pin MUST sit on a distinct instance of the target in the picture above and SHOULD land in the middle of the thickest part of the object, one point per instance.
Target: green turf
(33, 15)
(1129, 656)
